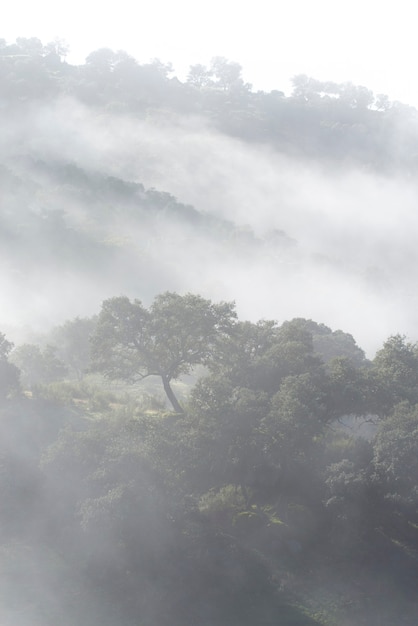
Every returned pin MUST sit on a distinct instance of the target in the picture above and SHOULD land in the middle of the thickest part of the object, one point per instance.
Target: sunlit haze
(366, 43)
(208, 313)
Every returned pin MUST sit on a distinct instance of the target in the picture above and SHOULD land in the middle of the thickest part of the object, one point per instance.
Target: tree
(38, 366)
(396, 458)
(166, 340)
(306, 88)
(347, 389)
(227, 74)
(9, 373)
(394, 376)
(293, 427)
(329, 344)
(58, 47)
(199, 76)
(382, 102)
(31, 46)
(102, 60)
(356, 96)
(240, 358)
(259, 356)
(73, 341)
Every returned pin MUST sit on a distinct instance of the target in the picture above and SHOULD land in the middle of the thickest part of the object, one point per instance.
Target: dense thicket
(284, 492)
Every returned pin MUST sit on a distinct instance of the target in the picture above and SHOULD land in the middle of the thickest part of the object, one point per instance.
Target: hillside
(208, 347)
(129, 181)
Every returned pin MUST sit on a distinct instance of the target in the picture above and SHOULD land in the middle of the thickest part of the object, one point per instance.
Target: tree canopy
(166, 340)
(295, 454)
(9, 373)
(283, 488)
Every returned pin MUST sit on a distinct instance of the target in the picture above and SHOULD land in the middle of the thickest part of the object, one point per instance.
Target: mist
(334, 243)
(208, 348)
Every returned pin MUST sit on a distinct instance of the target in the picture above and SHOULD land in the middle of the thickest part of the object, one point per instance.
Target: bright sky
(366, 42)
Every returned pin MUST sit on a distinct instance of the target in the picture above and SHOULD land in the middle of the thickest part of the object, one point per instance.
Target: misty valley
(208, 347)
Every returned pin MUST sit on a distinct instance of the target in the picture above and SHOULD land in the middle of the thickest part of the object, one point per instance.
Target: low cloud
(333, 244)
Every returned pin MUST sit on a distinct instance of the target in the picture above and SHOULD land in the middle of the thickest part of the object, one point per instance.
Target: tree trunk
(170, 395)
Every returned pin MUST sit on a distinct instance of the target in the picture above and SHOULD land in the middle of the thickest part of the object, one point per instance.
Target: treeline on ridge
(320, 119)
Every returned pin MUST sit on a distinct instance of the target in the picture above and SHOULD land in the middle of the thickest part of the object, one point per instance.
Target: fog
(260, 497)
(334, 243)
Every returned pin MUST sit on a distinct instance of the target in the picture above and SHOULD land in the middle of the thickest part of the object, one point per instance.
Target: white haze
(352, 266)
(368, 44)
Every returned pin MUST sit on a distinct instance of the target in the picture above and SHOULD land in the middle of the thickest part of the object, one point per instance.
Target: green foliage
(222, 511)
(348, 389)
(394, 377)
(348, 498)
(299, 406)
(220, 505)
(175, 334)
(396, 457)
(38, 366)
(322, 120)
(87, 398)
(241, 353)
(73, 343)
(9, 373)
(145, 517)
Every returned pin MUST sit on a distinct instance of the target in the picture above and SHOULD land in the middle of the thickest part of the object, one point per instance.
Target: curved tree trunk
(170, 395)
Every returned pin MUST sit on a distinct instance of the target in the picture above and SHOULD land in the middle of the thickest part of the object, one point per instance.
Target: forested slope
(168, 458)
(319, 119)
(282, 490)
(122, 178)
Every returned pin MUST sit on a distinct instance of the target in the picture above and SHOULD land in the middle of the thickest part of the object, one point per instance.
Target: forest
(191, 434)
